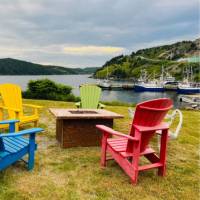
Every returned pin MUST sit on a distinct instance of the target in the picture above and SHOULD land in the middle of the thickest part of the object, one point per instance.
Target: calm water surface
(75, 80)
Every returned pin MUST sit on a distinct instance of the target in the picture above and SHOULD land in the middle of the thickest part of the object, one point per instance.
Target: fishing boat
(187, 86)
(105, 83)
(149, 86)
(173, 86)
(169, 82)
(191, 100)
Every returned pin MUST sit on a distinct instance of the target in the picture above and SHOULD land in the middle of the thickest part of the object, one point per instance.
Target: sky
(87, 33)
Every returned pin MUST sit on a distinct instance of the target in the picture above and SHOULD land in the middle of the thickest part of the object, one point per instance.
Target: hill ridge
(11, 66)
(152, 59)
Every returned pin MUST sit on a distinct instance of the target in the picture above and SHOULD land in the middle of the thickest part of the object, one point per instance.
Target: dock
(117, 86)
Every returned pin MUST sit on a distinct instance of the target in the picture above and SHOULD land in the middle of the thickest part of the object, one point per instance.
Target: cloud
(93, 50)
(89, 32)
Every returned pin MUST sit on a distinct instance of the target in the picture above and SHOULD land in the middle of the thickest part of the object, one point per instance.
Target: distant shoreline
(44, 75)
(11, 66)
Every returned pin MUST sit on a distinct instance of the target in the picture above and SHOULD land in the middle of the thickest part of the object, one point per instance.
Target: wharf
(118, 86)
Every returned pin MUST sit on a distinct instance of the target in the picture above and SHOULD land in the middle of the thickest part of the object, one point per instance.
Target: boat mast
(143, 75)
(162, 74)
(186, 75)
(191, 74)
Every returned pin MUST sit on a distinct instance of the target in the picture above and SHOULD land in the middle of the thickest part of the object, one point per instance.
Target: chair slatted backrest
(12, 98)
(149, 114)
(90, 96)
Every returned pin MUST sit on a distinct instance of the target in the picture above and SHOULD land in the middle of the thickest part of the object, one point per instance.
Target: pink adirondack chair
(127, 149)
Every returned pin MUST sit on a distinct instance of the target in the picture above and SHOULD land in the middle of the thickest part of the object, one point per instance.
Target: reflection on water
(75, 80)
(134, 97)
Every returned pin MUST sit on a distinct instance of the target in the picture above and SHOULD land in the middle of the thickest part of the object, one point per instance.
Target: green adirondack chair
(90, 96)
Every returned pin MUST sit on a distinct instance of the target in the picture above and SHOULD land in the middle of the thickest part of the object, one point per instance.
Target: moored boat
(188, 89)
(169, 82)
(105, 84)
(191, 99)
(150, 87)
(187, 86)
(171, 85)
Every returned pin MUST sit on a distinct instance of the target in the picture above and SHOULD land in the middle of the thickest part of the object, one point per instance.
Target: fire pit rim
(82, 112)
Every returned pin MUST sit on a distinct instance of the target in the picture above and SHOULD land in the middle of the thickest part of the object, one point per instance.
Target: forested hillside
(152, 59)
(9, 66)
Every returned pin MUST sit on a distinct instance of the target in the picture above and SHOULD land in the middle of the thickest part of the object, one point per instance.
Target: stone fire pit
(76, 127)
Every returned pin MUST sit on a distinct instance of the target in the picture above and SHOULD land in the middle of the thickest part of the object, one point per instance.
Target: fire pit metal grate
(82, 112)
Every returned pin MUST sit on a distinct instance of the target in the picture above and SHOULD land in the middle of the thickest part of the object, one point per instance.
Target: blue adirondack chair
(13, 146)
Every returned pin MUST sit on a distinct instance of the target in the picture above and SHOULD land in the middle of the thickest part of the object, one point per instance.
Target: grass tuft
(75, 174)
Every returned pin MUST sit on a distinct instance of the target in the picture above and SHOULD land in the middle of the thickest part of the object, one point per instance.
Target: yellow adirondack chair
(12, 102)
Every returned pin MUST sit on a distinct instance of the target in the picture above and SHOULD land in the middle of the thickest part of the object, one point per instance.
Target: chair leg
(1, 114)
(103, 150)
(134, 178)
(31, 159)
(103, 156)
(163, 153)
(135, 160)
(36, 123)
(135, 164)
(31, 156)
(17, 126)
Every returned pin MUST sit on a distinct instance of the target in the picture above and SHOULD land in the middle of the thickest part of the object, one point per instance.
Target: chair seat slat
(3, 154)
(12, 144)
(15, 142)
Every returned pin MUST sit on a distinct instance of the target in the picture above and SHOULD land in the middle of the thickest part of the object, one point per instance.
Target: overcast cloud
(82, 33)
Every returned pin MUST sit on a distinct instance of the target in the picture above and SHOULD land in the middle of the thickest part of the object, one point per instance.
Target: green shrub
(49, 90)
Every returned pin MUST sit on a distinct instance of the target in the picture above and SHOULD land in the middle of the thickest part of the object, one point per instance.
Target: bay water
(129, 96)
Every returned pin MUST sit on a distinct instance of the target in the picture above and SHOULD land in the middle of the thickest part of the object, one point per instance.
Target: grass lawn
(75, 173)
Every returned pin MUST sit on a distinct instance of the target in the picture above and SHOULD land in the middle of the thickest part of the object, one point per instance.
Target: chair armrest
(101, 106)
(21, 133)
(32, 106)
(9, 121)
(131, 112)
(162, 126)
(78, 104)
(9, 108)
(11, 124)
(113, 132)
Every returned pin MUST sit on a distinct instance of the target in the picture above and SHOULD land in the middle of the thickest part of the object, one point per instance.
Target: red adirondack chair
(127, 149)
